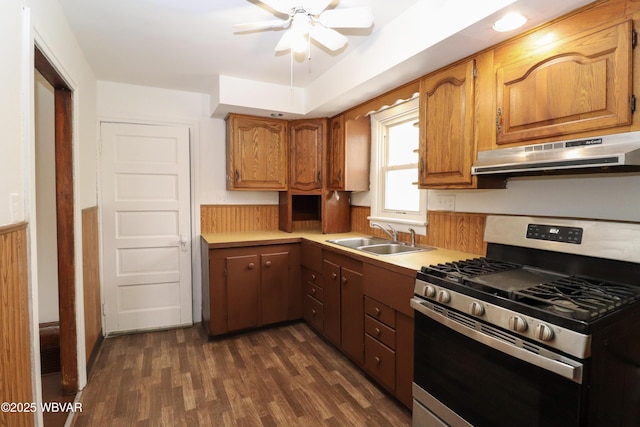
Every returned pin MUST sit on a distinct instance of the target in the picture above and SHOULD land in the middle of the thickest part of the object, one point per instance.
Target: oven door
(463, 376)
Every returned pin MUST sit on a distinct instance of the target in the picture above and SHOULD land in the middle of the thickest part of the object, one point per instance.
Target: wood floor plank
(284, 376)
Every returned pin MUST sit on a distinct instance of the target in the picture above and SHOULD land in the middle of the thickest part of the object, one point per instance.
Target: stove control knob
(544, 332)
(517, 324)
(444, 296)
(429, 291)
(476, 309)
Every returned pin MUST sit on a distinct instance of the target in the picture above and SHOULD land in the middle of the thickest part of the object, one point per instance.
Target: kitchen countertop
(412, 261)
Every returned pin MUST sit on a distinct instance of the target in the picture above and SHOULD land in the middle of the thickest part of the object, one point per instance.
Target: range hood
(610, 153)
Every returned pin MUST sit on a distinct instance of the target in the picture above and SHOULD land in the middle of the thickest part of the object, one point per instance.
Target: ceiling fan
(308, 20)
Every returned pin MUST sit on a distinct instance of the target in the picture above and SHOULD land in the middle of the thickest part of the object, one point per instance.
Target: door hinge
(633, 104)
(634, 38)
(475, 72)
(498, 119)
(104, 309)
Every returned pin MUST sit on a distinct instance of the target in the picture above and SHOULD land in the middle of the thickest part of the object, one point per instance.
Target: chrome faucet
(393, 233)
(413, 236)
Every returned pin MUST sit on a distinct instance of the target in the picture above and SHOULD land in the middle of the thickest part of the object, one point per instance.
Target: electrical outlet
(446, 203)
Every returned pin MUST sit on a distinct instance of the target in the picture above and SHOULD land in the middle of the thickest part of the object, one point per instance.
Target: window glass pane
(402, 141)
(400, 194)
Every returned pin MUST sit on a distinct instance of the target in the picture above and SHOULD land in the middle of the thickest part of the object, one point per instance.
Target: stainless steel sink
(392, 249)
(356, 242)
(378, 246)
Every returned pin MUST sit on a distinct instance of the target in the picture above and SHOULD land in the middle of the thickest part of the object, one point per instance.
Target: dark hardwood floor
(284, 376)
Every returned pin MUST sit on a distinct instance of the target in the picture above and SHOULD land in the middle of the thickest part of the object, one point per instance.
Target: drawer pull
(267, 264)
(251, 266)
(333, 276)
(344, 280)
(377, 310)
(313, 312)
(313, 277)
(377, 359)
(378, 331)
(313, 290)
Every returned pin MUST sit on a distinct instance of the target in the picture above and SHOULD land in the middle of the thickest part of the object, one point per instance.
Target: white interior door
(146, 226)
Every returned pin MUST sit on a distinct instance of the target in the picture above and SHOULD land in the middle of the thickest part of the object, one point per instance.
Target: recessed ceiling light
(509, 22)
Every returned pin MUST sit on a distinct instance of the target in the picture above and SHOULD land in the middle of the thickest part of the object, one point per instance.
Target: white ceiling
(190, 45)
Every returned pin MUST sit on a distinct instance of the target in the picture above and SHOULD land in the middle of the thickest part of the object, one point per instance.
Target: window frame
(380, 122)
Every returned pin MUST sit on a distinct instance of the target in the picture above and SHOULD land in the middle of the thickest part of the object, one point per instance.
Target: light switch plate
(446, 202)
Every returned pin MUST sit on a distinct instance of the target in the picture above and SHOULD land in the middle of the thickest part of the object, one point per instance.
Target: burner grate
(581, 298)
(461, 270)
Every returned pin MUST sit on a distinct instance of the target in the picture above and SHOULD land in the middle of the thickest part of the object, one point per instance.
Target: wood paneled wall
(15, 336)
(449, 230)
(229, 218)
(91, 279)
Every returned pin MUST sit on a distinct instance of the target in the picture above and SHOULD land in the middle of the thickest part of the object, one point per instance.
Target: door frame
(65, 205)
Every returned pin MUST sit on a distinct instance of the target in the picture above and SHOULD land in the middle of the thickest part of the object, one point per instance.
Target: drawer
(313, 290)
(312, 276)
(380, 312)
(380, 331)
(313, 312)
(380, 362)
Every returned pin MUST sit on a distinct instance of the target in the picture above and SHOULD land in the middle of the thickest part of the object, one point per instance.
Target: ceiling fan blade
(282, 6)
(261, 25)
(332, 39)
(315, 7)
(354, 17)
(288, 41)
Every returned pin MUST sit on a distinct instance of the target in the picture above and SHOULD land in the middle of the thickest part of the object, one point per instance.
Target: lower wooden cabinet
(343, 304)
(252, 286)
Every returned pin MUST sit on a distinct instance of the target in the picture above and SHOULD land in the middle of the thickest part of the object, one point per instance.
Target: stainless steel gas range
(543, 331)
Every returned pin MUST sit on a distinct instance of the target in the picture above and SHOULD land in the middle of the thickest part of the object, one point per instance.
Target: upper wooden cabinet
(256, 153)
(348, 154)
(580, 83)
(306, 146)
(447, 147)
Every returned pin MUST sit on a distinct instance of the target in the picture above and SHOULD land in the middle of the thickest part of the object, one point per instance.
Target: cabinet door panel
(274, 292)
(256, 153)
(577, 85)
(336, 154)
(331, 295)
(447, 147)
(243, 281)
(306, 141)
(352, 322)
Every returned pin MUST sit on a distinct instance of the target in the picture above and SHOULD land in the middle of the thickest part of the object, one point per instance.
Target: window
(395, 197)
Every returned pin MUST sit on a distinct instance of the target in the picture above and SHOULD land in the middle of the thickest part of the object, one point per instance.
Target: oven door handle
(549, 361)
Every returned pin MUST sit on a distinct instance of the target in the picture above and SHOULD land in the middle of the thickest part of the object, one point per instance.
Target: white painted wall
(141, 104)
(12, 80)
(47, 236)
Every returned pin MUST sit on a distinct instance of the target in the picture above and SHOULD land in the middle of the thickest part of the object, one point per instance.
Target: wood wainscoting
(91, 283)
(449, 230)
(230, 218)
(15, 336)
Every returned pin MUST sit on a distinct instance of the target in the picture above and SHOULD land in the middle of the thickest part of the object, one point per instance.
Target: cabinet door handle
(378, 331)
(333, 276)
(251, 266)
(344, 280)
(267, 264)
(377, 359)
(313, 312)
(313, 277)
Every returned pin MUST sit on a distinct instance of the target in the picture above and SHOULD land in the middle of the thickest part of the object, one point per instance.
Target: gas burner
(459, 271)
